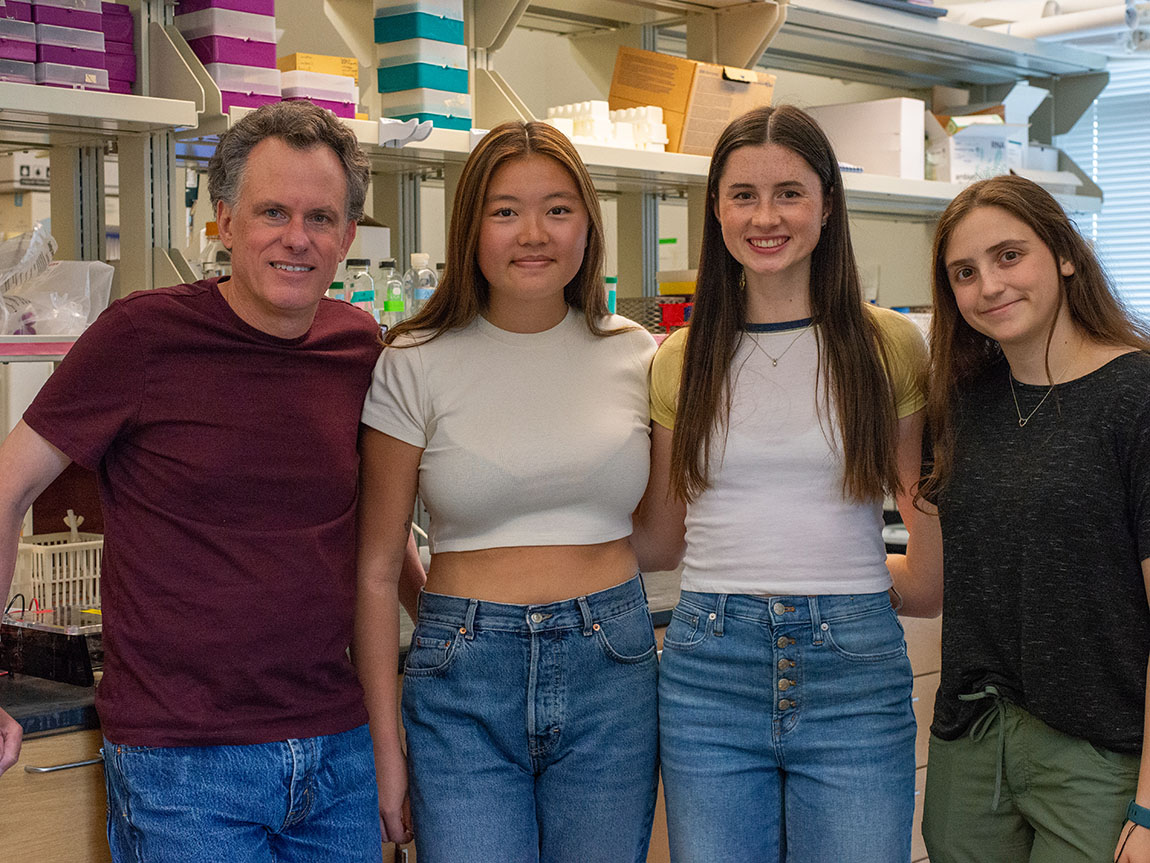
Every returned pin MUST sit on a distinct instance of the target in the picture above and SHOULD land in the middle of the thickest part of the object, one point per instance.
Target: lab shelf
(34, 349)
(32, 115)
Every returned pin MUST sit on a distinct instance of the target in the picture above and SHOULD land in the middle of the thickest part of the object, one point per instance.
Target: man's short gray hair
(299, 124)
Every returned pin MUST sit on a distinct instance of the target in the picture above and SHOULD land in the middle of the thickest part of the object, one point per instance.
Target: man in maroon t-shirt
(221, 418)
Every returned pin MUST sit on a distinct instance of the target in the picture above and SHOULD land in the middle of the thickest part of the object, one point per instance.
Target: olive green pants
(1060, 799)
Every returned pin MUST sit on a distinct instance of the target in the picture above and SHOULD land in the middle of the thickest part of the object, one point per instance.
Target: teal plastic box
(409, 76)
(440, 121)
(418, 25)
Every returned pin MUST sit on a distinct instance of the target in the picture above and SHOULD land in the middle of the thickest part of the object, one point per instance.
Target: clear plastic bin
(17, 72)
(422, 100)
(19, 31)
(70, 37)
(81, 5)
(54, 571)
(77, 77)
(226, 22)
(245, 79)
(421, 51)
(318, 85)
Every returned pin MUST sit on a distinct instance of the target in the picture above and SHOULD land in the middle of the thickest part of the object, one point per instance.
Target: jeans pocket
(873, 636)
(432, 649)
(686, 630)
(629, 637)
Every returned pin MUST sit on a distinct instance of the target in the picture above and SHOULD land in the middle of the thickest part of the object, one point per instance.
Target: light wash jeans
(786, 730)
(532, 731)
(310, 800)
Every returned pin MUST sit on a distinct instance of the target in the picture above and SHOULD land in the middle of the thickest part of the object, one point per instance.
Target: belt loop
(585, 610)
(469, 619)
(720, 613)
(816, 620)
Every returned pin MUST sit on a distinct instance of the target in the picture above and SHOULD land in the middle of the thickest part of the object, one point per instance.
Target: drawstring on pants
(981, 727)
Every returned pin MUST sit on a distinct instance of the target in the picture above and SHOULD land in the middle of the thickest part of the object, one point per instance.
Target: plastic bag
(25, 257)
(62, 300)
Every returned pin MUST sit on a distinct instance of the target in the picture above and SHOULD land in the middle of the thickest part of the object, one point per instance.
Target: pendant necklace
(1023, 420)
(775, 360)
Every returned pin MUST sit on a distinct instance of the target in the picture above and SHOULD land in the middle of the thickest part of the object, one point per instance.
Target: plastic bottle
(215, 260)
(390, 297)
(361, 286)
(336, 291)
(419, 281)
(612, 286)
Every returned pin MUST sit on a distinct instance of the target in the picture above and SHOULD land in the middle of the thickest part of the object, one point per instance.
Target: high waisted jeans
(786, 730)
(532, 729)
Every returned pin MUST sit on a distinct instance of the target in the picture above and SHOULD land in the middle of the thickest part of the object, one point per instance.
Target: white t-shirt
(528, 438)
(774, 520)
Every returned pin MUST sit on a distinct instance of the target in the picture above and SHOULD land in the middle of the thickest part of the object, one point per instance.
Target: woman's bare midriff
(532, 575)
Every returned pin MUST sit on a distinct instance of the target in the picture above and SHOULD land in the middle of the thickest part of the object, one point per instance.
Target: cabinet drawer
(59, 816)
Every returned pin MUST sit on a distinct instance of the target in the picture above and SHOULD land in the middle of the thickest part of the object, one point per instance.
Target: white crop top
(527, 438)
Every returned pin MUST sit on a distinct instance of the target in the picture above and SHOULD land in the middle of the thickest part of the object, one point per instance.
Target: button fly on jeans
(784, 664)
(785, 684)
(784, 641)
(785, 704)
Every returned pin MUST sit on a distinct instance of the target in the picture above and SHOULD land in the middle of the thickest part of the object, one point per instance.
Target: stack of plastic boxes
(70, 44)
(337, 93)
(17, 43)
(422, 61)
(119, 55)
(235, 40)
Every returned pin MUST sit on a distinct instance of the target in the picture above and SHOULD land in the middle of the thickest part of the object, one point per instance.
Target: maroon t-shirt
(227, 467)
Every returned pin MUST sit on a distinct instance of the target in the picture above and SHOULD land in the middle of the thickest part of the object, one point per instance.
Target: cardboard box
(698, 99)
(346, 66)
(884, 136)
(961, 151)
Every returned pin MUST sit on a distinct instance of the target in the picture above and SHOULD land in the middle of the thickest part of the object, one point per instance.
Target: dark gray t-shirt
(1044, 531)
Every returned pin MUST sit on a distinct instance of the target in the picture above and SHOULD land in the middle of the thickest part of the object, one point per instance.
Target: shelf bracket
(736, 36)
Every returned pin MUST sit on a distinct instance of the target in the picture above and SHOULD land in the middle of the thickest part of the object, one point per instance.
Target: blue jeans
(312, 799)
(786, 730)
(532, 730)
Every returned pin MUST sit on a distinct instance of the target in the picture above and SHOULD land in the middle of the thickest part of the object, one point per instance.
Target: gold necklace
(1022, 421)
(775, 360)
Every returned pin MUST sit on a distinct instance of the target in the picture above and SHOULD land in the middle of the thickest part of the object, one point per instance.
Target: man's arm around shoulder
(28, 463)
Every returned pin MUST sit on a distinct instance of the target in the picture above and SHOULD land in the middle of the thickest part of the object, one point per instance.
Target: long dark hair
(464, 291)
(959, 353)
(851, 353)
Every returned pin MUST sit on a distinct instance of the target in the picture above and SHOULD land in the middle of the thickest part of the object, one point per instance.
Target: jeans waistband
(777, 610)
(476, 615)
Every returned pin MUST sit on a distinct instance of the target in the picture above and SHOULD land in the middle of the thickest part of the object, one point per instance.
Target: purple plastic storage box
(256, 7)
(115, 86)
(340, 109)
(16, 10)
(66, 56)
(15, 49)
(122, 67)
(237, 52)
(245, 100)
(117, 27)
(62, 16)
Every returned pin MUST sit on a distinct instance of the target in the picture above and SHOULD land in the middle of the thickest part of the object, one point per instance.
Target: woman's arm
(388, 477)
(918, 573)
(1134, 841)
(659, 536)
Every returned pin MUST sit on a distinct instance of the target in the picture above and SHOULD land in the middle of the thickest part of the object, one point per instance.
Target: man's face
(287, 233)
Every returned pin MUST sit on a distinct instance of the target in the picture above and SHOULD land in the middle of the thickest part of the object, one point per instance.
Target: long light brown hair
(464, 291)
(959, 353)
(851, 353)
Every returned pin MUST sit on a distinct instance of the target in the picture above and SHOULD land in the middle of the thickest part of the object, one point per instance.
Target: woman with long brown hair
(782, 416)
(518, 407)
(1040, 408)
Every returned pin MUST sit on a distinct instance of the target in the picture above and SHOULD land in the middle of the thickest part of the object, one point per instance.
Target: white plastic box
(245, 79)
(80, 77)
(54, 571)
(79, 5)
(425, 101)
(884, 136)
(226, 22)
(421, 51)
(318, 85)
